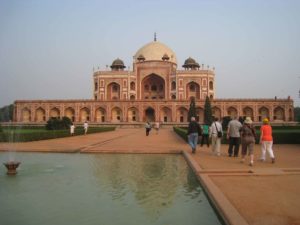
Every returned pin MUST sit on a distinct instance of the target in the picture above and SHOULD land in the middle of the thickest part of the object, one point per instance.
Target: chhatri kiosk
(156, 89)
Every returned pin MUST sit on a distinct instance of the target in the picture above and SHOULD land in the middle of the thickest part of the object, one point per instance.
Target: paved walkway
(265, 194)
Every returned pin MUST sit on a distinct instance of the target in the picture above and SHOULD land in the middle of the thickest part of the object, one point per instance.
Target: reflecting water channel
(106, 189)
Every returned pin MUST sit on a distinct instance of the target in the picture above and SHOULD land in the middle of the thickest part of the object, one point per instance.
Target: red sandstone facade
(153, 90)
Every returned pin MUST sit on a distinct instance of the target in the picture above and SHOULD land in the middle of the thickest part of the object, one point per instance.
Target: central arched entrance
(150, 114)
(153, 87)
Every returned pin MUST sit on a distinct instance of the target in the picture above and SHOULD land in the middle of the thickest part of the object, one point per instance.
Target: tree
(6, 113)
(192, 109)
(297, 114)
(207, 112)
(225, 121)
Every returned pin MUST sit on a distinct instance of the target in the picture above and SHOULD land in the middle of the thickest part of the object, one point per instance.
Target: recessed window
(173, 85)
(115, 88)
(153, 88)
(192, 87)
(211, 85)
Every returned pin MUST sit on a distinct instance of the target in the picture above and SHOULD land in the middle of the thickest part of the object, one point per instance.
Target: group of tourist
(85, 127)
(148, 127)
(237, 133)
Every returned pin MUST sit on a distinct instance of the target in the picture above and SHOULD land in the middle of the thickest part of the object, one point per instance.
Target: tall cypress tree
(192, 109)
(207, 112)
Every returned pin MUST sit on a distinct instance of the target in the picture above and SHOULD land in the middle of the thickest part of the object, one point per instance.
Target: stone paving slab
(264, 194)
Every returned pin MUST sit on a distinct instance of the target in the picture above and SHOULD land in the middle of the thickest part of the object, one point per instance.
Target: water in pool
(106, 189)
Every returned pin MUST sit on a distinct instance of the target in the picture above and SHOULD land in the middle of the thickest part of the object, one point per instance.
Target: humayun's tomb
(155, 90)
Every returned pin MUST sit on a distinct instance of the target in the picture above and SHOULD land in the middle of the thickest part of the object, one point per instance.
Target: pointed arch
(149, 114)
(263, 113)
(55, 112)
(216, 112)
(116, 114)
(192, 90)
(232, 111)
(165, 114)
(70, 113)
(84, 114)
(40, 115)
(182, 115)
(100, 115)
(26, 115)
(113, 91)
(279, 114)
(248, 112)
(132, 114)
(153, 87)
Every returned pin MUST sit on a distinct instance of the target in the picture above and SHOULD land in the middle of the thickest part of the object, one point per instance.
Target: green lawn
(34, 134)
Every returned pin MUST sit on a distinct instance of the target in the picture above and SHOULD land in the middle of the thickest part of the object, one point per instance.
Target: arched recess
(113, 91)
(132, 86)
(232, 111)
(40, 115)
(132, 97)
(200, 114)
(84, 114)
(182, 115)
(193, 90)
(100, 115)
(211, 85)
(54, 112)
(248, 112)
(70, 113)
(279, 113)
(116, 114)
(149, 114)
(132, 114)
(153, 87)
(173, 97)
(216, 112)
(165, 114)
(173, 85)
(26, 115)
(263, 113)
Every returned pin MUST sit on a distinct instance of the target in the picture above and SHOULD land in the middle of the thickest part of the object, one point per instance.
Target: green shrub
(182, 132)
(58, 124)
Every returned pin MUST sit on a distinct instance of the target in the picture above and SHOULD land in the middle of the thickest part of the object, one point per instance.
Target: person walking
(156, 127)
(216, 133)
(205, 134)
(248, 136)
(148, 128)
(72, 129)
(266, 141)
(233, 135)
(85, 127)
(194, 130)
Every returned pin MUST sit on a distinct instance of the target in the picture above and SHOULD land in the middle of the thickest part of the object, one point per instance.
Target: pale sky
(48, 48)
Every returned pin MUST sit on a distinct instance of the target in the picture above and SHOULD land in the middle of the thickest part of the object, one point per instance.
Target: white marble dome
(155, 50)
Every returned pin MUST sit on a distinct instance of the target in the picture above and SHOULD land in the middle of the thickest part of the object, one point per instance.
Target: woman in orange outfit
(266, 141)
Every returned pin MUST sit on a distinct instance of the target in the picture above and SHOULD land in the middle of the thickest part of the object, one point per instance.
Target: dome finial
(154, 36)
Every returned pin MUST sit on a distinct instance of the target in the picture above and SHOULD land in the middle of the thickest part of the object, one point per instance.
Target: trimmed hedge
(280, 135)
(14, 136)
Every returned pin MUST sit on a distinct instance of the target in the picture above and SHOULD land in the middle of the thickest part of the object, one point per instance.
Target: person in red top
(266, 141)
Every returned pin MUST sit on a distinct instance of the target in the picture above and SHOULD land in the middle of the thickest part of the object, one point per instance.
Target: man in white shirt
(233, 135)
(215, 128)
(85, 127)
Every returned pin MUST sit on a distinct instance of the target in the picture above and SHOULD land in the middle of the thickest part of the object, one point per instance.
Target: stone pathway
(265, 194)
